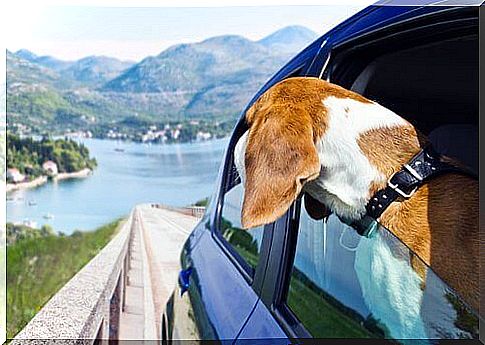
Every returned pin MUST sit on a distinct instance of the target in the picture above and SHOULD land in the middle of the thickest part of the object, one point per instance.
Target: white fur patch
(346, 173)
(239, 155)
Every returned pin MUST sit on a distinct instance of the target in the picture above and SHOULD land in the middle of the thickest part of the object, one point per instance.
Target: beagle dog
(306, 134)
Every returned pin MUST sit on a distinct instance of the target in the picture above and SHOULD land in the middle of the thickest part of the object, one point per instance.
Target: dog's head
(283, 149)
(278, 154)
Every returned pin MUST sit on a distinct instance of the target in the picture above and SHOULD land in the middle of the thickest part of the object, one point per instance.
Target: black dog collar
(425, 165)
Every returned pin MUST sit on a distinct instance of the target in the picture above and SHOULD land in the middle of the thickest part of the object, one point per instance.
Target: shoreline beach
(43, 179)
(77, 174)
(30, 184)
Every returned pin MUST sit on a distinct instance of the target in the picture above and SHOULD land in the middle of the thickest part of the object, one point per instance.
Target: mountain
(25, 74)
(218, 76)
(224, 59)
(26, 55)
(290, 38)
(40, 97)
(95, 70)
(46, 61)
(207, 80)
(196, 66)
(90, 71)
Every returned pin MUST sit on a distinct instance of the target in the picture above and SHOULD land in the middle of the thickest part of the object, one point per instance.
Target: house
(14, 175)
(50, 168)
(201, 136)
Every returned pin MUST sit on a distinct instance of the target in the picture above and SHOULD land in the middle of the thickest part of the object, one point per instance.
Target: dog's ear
(280, 158)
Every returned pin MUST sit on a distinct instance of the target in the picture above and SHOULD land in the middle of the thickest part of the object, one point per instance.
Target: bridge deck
(157, 240)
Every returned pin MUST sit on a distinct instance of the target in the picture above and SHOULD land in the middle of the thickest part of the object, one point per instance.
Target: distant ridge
(211, 79)
(289, 38)
(216, 60)
(91, 70)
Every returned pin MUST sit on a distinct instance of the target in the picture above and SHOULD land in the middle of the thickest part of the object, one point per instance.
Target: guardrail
(194, 211)
(89, 306)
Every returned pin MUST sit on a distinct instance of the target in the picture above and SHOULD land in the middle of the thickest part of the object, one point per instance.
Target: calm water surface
(127, 174)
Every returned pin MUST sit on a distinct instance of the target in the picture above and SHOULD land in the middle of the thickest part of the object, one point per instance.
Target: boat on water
(119, 150)
(32, 203)
(48, 216)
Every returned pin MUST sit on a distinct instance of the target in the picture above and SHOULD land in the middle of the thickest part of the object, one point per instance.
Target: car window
(246, 243)
(346, 285)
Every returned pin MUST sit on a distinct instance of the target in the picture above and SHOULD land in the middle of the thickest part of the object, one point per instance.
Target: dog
(309, 135)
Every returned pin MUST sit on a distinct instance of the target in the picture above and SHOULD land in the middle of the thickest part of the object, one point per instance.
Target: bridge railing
(194, 211)
(89, 306)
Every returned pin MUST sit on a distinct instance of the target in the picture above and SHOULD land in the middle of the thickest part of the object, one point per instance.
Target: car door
(221, 267)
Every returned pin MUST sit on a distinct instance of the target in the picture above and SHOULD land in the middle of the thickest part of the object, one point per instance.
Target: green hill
(208, 80)
(39, 263)
(27, 155)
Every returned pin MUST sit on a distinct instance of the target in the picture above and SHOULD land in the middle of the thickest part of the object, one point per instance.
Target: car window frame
(253, 276)
(330, 60)
(298, 66)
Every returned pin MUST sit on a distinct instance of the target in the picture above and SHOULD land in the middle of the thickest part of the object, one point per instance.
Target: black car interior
(435, 87)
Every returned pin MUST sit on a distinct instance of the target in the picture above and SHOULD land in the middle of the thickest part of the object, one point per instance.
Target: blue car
(302, 277)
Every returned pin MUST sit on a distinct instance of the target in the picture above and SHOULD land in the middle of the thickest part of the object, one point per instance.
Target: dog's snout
(315, 208)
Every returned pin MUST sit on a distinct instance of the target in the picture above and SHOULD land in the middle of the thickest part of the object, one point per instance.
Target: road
(158, 237)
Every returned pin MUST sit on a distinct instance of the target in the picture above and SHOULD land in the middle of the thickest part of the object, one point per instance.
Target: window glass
(345, 285)
(247, 243)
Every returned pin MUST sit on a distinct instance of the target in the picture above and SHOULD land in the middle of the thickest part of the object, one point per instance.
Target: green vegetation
(22, 232)
(38, 266)
(242, 241)
(465, 319)
(202, 203)
(27, 155)
(41, 105)
(324, 316)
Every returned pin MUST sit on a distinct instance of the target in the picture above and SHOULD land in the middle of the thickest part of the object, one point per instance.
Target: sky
(132, 33)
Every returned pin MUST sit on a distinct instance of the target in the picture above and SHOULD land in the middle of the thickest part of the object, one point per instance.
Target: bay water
(127, 174)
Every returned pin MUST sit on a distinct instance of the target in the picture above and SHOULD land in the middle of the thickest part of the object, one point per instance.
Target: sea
(127, 174)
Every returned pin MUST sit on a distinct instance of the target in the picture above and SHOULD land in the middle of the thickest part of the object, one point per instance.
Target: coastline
(77, 174)
(43, 179)
(23, 185)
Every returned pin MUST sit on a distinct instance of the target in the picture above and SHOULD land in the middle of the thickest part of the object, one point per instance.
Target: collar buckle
(399, 190)
(413, 172)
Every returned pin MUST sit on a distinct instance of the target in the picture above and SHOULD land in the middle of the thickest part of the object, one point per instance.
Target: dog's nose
(315, 209)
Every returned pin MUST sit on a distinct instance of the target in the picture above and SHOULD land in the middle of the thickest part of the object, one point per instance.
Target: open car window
(346, 285)
(246, 244)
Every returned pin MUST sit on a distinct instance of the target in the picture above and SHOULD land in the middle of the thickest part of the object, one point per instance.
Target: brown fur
(439, 222)
(281, 155)
(432, 223)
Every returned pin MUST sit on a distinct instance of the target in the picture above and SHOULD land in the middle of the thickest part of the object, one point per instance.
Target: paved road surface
(158, 237)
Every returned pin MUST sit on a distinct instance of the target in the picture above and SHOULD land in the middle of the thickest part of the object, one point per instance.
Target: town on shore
(144, 132)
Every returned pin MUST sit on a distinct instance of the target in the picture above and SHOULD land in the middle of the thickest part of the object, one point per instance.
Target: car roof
(386, 13)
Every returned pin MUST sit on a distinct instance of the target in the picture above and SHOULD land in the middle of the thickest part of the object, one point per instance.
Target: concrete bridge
(120, 293)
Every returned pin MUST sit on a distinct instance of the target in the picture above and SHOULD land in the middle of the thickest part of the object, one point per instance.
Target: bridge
(120, 294)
